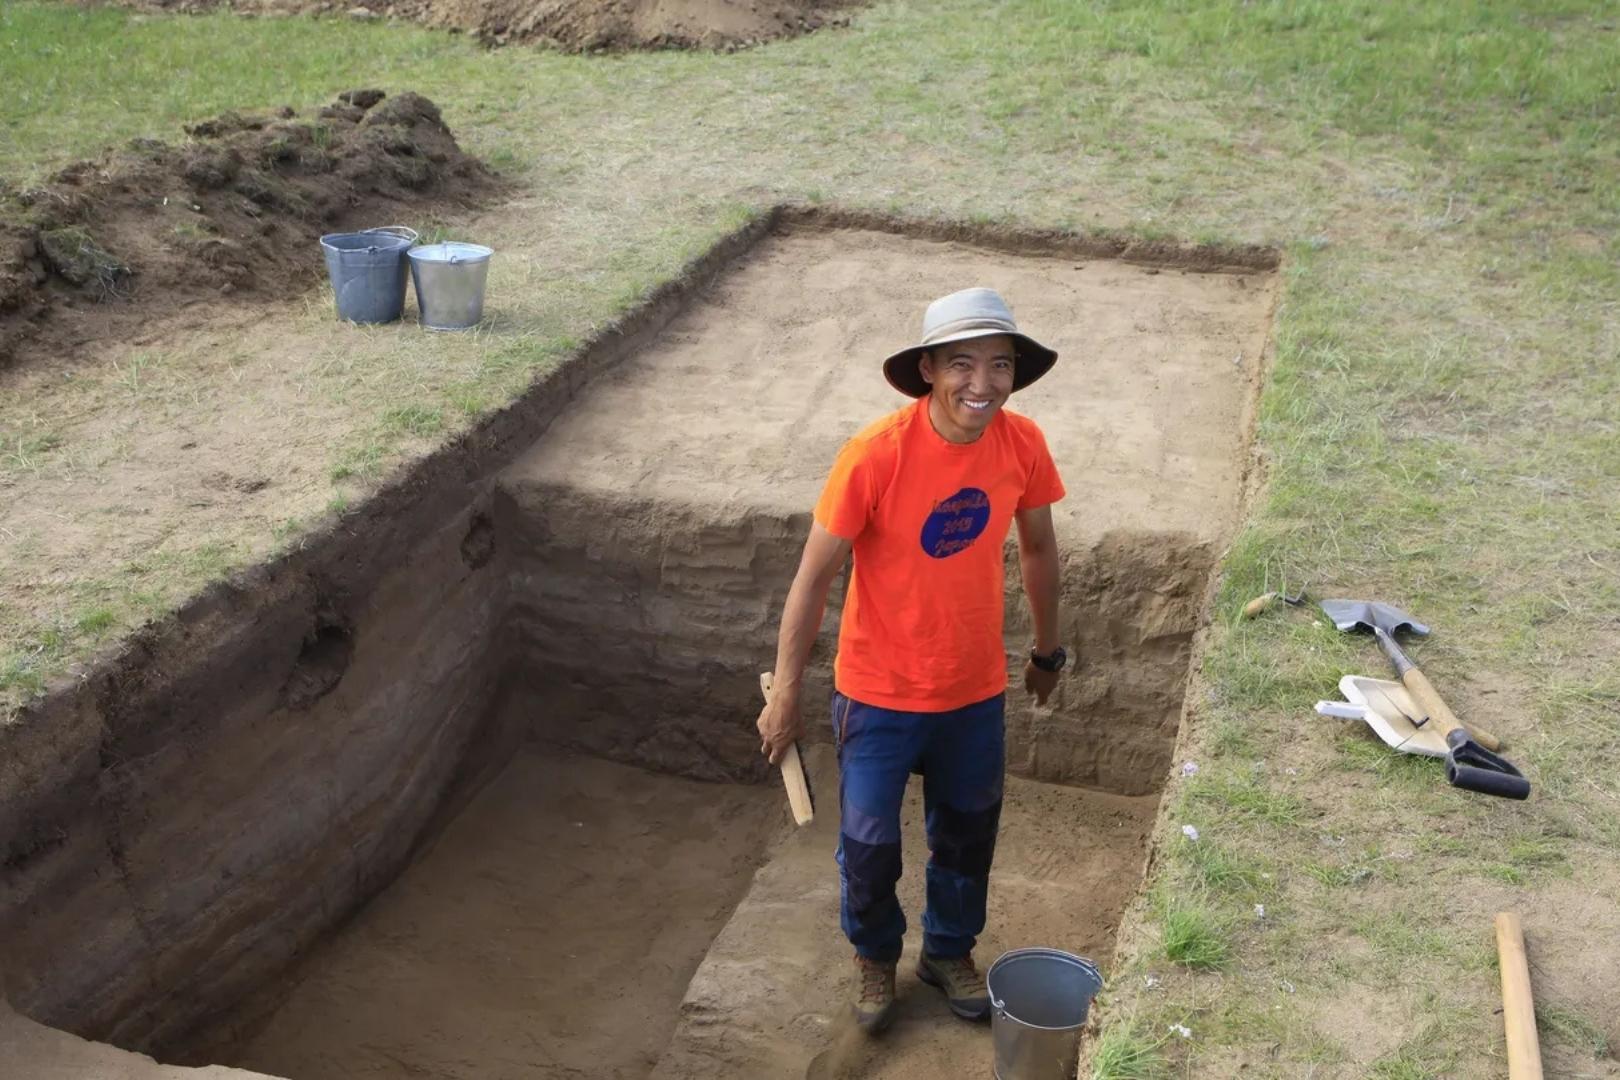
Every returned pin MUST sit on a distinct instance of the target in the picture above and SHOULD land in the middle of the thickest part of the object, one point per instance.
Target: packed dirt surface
(234, 212)
(770, 1000)
(550, 931)
(576, 25)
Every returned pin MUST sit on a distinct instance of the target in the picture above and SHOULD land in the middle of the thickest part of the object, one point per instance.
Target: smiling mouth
(977, 406)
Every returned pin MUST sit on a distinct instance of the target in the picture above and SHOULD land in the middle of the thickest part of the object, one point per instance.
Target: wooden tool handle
(1434, 706)
(798, 788)
(1518, 1008)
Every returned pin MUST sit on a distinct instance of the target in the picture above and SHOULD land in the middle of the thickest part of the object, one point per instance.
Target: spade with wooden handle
(1469, 764)
(793, 778)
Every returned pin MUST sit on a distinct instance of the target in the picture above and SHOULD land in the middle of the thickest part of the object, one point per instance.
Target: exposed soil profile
(234, 211)
(276, 827)
(573, 25)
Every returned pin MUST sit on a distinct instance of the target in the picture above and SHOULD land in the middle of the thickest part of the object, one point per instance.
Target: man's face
(971, 380)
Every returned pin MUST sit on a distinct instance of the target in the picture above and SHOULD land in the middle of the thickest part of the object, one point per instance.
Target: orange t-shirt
(928, 520)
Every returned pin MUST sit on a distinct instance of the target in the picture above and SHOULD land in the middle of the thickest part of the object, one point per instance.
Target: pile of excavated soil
(577, 25)
(235, 211)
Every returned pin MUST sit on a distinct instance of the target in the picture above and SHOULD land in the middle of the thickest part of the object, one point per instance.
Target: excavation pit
(475, 792)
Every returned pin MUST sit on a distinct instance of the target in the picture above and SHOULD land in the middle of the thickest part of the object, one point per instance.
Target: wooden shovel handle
(798, 788)
(1518, 1008)
(1439, 713)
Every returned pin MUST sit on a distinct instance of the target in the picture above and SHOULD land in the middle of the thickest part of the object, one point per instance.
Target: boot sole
(977, 1014)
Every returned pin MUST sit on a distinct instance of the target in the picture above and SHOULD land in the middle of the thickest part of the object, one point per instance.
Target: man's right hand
(780, 724)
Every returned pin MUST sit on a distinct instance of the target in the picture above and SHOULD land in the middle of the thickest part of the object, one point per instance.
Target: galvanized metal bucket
(367, 271)
(1039, 999)
(449, 281)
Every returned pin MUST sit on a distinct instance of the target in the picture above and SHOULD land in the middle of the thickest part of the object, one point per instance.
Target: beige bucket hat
(967, 314)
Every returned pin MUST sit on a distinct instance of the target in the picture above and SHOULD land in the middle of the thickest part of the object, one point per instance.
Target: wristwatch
(1052, 662)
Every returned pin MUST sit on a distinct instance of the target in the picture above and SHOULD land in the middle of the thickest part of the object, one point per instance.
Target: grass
(1220, 870)
(1194, 936)
(418, 420)
(1438, 426)
(1560, 1023)
(1408, 1063)
(1123, 1052)
(1244, 797)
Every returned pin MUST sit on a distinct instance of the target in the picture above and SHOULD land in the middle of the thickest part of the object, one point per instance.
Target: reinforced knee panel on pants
(964, 841)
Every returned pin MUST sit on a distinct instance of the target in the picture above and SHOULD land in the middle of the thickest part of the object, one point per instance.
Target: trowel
(793, 778)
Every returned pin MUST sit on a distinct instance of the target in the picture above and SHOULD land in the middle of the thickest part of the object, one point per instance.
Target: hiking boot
(874, 994)
(964, 987)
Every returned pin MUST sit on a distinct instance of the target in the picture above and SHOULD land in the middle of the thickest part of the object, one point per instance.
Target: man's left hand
(1039, 682)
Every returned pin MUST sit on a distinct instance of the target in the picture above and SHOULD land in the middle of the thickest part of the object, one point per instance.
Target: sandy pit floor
(770, 1000)
(554, 926)
(748, 395)
(550, 931)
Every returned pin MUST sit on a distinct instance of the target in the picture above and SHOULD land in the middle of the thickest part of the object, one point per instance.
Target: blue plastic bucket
(368, 270)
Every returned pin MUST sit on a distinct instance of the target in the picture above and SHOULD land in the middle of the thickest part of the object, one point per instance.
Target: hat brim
(1031, 360)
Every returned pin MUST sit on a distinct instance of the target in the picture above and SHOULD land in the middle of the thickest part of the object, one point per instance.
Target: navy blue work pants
(961, 756)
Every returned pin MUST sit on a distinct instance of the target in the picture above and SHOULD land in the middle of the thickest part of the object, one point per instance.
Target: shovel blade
(1371, 615)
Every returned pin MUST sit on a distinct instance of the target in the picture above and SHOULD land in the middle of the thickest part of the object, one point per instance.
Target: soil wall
(641, 626)
(1131, 603)
(193, 832)
(181, 820)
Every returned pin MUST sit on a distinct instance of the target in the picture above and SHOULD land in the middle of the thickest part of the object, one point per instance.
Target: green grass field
(1441, 427)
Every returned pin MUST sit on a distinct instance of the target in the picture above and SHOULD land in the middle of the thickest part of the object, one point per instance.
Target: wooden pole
(1518, 1009)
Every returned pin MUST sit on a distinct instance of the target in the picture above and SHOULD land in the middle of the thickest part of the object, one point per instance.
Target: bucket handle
(404, 232)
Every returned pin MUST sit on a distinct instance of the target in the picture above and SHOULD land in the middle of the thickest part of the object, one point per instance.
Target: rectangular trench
(528, 752)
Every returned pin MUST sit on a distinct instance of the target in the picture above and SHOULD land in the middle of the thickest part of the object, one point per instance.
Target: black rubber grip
(1473, 768)
(1487, 781)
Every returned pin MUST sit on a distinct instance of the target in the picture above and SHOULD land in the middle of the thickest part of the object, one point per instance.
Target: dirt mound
(576, 25)
(235, 210)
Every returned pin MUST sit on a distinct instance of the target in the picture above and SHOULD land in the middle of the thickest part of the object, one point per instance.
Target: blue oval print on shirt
(955, 523)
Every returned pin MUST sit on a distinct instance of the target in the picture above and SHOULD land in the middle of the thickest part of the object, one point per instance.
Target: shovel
(1469, 764)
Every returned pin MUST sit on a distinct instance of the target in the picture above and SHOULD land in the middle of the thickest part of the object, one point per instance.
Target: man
(923, 498)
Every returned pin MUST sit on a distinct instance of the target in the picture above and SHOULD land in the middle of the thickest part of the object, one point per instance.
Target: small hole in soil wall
(320, 666)
(478, 546)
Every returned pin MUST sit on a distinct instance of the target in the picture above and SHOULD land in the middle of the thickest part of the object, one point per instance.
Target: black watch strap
(1053, 661)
